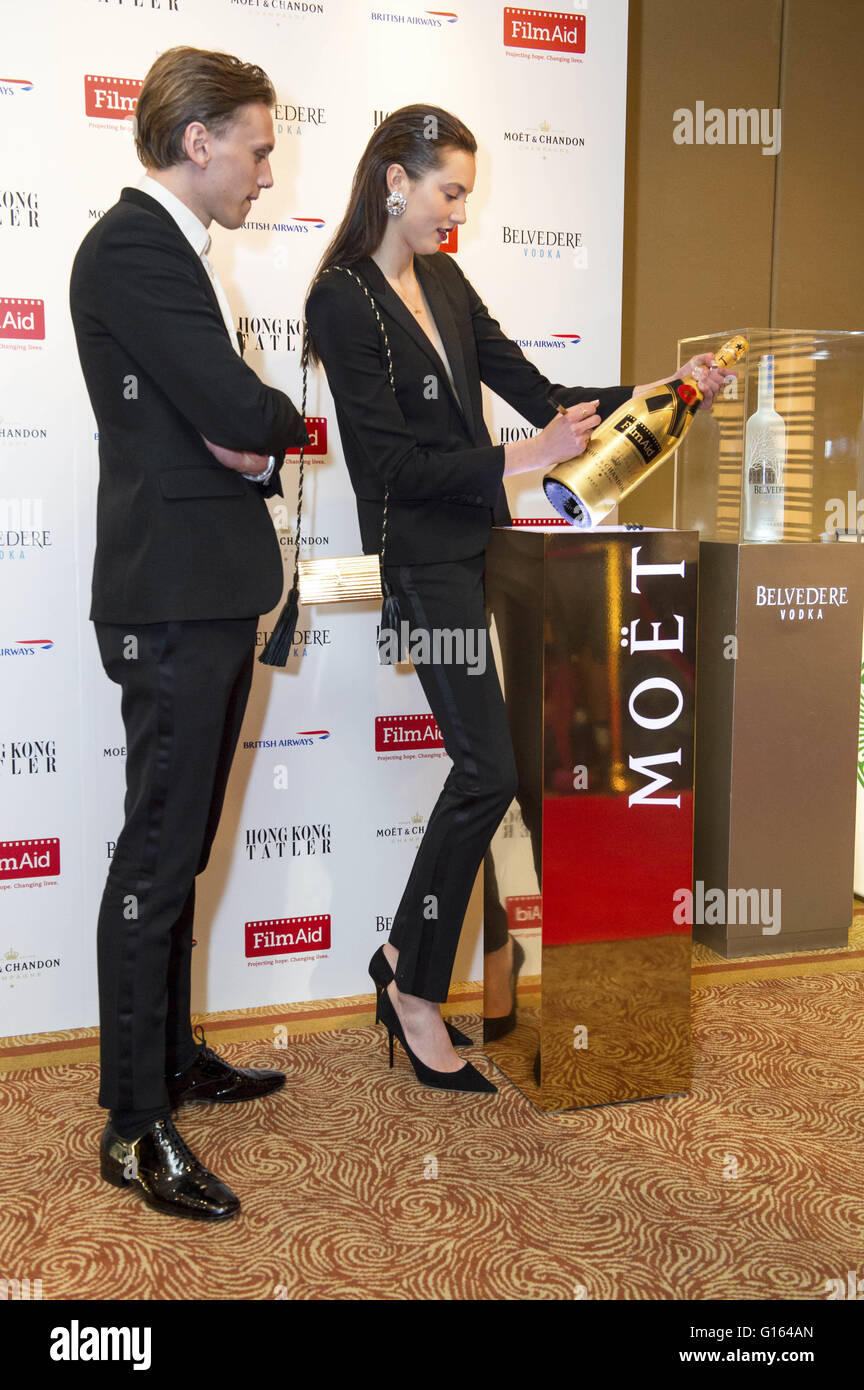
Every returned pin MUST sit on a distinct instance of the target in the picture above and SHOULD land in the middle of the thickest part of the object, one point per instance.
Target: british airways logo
(11, 86)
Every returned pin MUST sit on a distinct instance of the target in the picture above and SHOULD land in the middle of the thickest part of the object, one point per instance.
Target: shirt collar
(191, 226)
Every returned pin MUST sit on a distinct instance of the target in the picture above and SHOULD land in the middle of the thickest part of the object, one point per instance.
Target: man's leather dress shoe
(162, 1167)
(210, 1078)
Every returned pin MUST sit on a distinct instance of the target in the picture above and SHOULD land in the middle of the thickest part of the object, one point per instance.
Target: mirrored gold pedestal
(595, 638)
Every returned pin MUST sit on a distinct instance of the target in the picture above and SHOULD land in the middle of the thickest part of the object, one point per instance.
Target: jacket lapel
(390, 303)
(143, 200)
(443, 316)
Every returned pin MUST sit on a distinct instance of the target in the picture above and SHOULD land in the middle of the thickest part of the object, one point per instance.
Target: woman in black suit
(406, 342)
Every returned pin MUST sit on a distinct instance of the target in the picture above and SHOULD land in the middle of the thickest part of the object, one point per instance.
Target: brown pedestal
(776, 737)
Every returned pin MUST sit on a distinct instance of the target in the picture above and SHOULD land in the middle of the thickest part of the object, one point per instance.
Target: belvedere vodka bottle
(630, 444)
(764, 462)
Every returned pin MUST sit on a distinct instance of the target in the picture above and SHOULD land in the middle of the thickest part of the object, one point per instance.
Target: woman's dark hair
(418, 138)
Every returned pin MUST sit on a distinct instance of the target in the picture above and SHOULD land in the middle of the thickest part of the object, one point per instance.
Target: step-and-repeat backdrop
(339, 762)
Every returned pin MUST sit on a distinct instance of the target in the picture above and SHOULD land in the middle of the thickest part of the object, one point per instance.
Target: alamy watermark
(436, 646)
(717, 907)
(735, 126)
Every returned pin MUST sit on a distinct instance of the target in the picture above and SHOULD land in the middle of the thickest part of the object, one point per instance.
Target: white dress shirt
(199, 239)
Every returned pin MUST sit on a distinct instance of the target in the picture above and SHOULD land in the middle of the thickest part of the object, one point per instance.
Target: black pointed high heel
(495, 1028)
(382, 973)
(468, 1078)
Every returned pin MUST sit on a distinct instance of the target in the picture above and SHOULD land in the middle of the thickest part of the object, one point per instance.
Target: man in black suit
(190, 444)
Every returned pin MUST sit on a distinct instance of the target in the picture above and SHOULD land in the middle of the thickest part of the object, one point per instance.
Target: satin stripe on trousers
(469, 709)
(184, 691)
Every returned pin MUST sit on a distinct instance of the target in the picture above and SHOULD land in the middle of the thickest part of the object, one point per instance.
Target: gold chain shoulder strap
(365, 288)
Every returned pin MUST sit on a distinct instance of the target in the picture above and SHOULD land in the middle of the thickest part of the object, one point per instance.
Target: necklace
(405, 300)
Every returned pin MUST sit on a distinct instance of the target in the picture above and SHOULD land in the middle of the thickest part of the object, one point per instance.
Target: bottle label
(643, 440)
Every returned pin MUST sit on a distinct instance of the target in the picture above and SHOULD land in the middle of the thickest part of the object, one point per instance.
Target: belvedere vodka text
(764, 463)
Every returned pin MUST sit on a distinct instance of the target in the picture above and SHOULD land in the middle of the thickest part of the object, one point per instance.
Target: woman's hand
(565, 437)
(709, 378)
(239, 459)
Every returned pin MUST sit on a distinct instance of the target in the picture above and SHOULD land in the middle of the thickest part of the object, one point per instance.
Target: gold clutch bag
(340, 579)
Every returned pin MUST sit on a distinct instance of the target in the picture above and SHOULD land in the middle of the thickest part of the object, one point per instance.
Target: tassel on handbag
(340, 579)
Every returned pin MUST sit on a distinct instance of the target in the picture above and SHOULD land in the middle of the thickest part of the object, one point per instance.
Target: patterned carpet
(357, 1183)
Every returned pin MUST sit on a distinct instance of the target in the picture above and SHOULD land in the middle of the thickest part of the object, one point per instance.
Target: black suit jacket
(178, 536)
(430, 446)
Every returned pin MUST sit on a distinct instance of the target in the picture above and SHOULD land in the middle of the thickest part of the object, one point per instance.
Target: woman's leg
(445, 603)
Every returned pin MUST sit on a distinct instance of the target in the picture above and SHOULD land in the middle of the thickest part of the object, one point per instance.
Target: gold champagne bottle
(630, 444)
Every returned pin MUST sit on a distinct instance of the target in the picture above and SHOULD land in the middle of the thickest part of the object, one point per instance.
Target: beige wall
(722, 236)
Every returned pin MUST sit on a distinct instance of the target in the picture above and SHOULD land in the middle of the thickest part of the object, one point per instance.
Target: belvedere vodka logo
(802, 603)
(544, 243)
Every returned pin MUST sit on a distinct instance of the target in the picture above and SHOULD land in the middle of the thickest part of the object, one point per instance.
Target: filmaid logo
(22, 319)
(524, 910)
(28, 756)
(395, 733)
(451, 241)
(287, 841)
(283, 936)
(29, 858)
(316, 449)
(547, 30)
(19, 207)
(111, 98)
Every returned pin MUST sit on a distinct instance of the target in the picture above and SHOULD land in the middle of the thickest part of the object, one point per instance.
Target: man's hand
(239, 460)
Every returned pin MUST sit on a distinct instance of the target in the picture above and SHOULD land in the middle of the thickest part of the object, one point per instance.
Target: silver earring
(395, 203)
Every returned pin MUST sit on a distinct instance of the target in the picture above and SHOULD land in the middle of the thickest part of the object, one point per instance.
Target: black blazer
(431, 448)
(178, 536)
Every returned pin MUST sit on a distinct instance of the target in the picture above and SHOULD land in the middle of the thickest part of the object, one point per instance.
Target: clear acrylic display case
(819, 393)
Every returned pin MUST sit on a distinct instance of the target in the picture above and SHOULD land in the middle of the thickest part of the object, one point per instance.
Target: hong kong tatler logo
(29, 858)
(553, 31)
(22, 318)
(284, 936)
(111, 98)
(395, 732)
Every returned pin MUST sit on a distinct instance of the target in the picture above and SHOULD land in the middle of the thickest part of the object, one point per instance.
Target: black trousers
(184, 691)
(469, 709)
